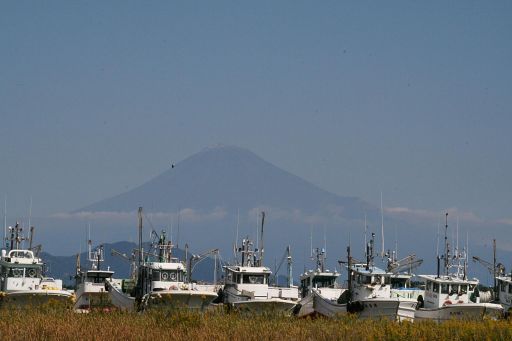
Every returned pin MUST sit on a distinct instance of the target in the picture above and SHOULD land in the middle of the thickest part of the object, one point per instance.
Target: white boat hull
(305, 306)
(375, 308)
(463, 311)
(407, 310)
(272, 305)
(179, 299)
(326, 307)
(93, 300)
(164, 299)
(34, 298)
(119, 299)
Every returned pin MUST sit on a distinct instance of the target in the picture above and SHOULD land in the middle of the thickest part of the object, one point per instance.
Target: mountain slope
(229, 177)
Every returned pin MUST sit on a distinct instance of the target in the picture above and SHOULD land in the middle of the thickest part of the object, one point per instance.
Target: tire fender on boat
(447, 302)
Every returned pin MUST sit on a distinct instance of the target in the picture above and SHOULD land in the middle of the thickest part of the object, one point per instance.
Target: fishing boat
(505, 292)
(22, 280)
(368, 295)
(502, 290)
(246, 284)
(319, 282)
(90, 284)
(161, 281)
(452, 295)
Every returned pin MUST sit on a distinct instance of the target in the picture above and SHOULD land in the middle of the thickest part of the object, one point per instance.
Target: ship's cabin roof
(372, 270)
(165, 265)
(318, 279)
(99, 273)
(507, 279)
(448, 279)
(247, 275)
(318, 273)
(21, 257)
(249, 269)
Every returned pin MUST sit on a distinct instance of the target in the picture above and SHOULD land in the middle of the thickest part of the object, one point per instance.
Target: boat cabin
(166, 276)
(250, 281)
(445, 290)
(317, 279)
(370, 282)
(505, 291)
(20, 270)
(247, 275)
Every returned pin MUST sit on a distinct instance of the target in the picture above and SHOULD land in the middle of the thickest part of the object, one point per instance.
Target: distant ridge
(229, 177)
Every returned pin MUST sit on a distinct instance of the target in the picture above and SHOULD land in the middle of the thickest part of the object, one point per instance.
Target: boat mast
(349, 261)
(369, 252)
(289, 269)
(30, 211)
(5, 223)
(139, 214)
(18, 237)
(261, 249)
(235, 245)
(382, 225)
(494, 265)
(31, 237)
(446, 246)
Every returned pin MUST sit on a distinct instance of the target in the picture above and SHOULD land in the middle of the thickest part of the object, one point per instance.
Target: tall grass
(58, 324)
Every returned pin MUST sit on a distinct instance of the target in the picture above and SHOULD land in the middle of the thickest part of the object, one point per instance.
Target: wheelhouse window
(16, 272)
(253, 279)
(444, 288)
(510, 288)
(503, 286)
(429, 286)
(323, 282)
(21, 254)
(463, 289)
(229, 276)
(435, 287)
(168, 275)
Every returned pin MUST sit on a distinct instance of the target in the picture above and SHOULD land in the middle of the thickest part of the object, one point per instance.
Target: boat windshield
(168, 275)
(254, 279)
(323, 281)
(21, 254)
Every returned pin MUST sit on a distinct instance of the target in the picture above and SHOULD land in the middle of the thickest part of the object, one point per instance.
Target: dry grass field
(57, 324)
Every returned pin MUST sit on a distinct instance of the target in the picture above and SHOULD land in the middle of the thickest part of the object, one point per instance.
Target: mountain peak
(230, 177)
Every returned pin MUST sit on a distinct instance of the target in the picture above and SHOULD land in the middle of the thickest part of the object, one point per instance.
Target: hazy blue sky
(411, 98)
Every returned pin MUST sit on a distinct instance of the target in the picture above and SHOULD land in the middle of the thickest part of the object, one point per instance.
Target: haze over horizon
(408, 99)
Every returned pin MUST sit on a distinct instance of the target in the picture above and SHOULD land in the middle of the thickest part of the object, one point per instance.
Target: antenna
(88, 232)
(257, 235)
(446, 250)
(140, 235)
(396, 242)
(365, 233)
(261, 250)
(457, 239)
(493, 263)
(30, 211)
(235, 246)
(5, 221)
(311, 241)
(31, 237)
(289, 267)
(437, 248)
(178, 228)
(171, 228)
(382, 225)
(325, 244)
